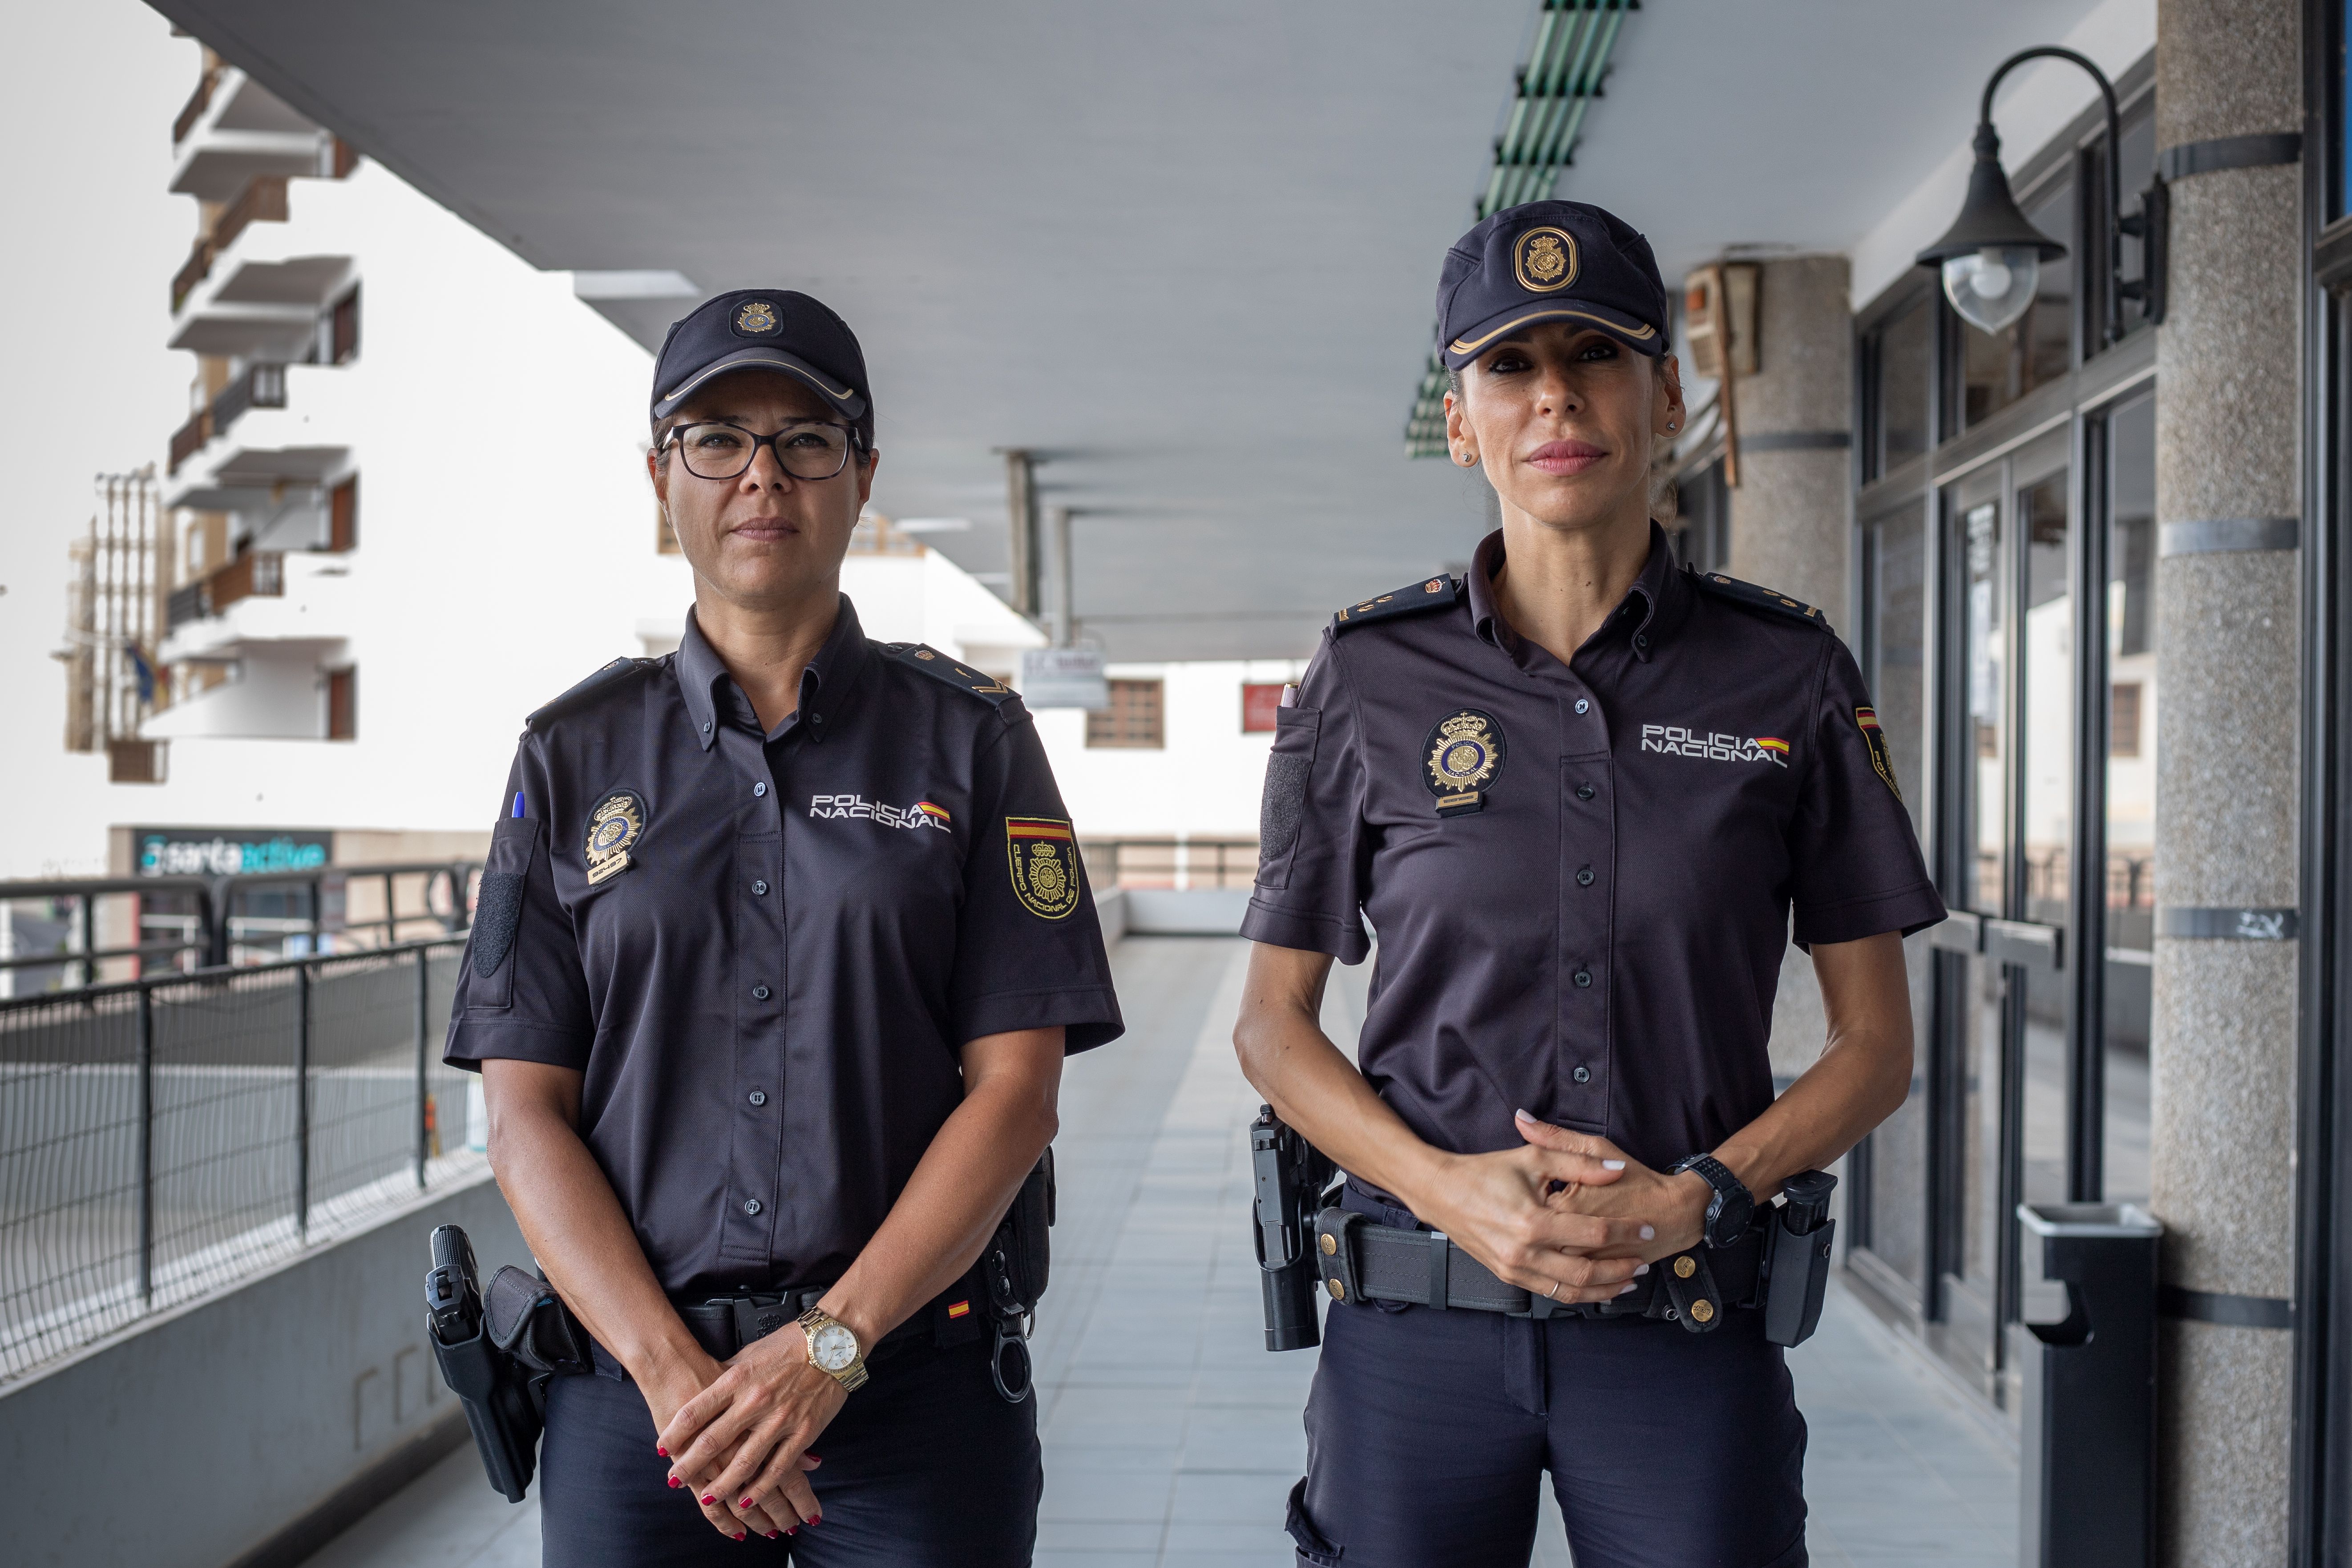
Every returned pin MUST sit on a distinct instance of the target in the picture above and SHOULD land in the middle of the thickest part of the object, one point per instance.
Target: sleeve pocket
(497, 910)
(1289, 767)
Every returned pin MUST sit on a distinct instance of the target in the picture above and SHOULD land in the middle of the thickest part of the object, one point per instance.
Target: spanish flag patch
(960, 1308)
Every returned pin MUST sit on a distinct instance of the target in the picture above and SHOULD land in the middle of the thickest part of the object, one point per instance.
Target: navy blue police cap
(777, 329)
(1549, 261)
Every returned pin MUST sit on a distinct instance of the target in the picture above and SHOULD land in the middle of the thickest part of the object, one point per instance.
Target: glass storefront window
(1901, 350)
(1981, 536)
(1896, 564)
(1997, 369)
(2131, 793)
(2046, 722)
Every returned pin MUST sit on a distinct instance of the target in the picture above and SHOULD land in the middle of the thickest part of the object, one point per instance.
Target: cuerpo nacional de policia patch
(1880, 757)
(1043, 856)
(618, 822)
(1463, 756)
(757, 318)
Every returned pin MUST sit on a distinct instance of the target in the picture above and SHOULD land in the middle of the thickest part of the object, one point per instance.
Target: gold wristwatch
(832, 1348)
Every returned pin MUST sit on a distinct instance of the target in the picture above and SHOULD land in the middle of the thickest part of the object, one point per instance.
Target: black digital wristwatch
(1731, 1207)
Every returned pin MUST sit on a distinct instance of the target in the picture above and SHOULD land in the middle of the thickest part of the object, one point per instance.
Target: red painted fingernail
(794, 1529)
(676, 1482)
(662, 1451)
(815, 1519)
(774, 1533)
(740, 1535)
(707, 1499)
(745, 1503)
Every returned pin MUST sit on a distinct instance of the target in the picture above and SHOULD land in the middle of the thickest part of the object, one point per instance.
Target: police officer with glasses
(781, 941)
(1578, 793)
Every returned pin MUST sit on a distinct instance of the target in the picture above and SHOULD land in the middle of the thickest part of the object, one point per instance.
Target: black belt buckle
(757, 1317)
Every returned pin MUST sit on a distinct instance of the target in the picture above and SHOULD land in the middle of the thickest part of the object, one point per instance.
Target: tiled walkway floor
(1172, 1437)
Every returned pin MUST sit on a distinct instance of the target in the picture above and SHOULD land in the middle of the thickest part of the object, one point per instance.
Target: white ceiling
(1187, 249)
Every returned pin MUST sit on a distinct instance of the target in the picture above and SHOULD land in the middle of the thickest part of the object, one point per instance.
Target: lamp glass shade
(1992, 288)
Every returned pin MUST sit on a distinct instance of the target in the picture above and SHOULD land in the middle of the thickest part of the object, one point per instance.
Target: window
(1701, 531)
(2124, 740)
(1896, 354)
(1259, 705)
(1132, 720)
(343, 330)
(1995, 370)
(343, 515)
(342, 704)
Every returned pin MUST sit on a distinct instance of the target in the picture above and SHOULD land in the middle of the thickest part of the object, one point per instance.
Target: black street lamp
(1991, 257)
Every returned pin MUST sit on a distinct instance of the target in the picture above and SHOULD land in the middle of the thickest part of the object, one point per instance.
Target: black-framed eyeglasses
(806, 449)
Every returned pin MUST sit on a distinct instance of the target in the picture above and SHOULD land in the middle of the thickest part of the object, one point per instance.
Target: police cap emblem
(617, 823)
(757, 318)
(1461, 757)
(1544, 259)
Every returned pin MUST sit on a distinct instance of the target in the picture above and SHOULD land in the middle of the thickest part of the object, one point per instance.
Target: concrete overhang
(1187, 253)
(277, 333)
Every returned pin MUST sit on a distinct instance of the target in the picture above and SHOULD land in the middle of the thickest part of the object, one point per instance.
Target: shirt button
(1584, 792)
(759, 789)
(759, 887)
(757, 1096)
(753, 1206)
(1582, 705)
(1582, 1075)
(1583, 978)
(761, 992)
(1641, 640)
(1584, 877)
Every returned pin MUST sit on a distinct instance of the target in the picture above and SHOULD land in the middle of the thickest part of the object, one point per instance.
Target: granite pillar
(2223, 1030)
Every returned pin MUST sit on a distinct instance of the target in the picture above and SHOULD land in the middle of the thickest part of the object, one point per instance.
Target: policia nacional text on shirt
(1577, 794)
(781, 941)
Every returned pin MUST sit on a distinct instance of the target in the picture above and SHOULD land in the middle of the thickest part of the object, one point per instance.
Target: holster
(1015, 1266)
(500, 1375)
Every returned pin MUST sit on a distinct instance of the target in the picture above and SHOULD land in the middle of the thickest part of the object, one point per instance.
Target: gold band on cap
(1464, 346)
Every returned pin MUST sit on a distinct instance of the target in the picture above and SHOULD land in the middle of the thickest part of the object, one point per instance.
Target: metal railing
(1177, 862)
(261, 386)
(162, 1138)
(256, 574)
(188, 922)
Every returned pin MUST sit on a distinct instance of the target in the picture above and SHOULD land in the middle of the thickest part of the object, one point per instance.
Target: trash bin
(2086, 1497)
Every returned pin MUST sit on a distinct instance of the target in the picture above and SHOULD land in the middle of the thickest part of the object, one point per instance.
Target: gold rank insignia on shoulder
(1042, 855)
(1461, 757)
(618, 822)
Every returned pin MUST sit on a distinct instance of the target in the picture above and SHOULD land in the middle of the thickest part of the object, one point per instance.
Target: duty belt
(1371, 1251)
(723, 1325)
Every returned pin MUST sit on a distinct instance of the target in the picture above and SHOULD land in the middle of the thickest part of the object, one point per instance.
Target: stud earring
(1468, 459)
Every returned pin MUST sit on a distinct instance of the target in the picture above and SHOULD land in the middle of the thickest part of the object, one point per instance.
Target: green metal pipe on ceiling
(1567, 64)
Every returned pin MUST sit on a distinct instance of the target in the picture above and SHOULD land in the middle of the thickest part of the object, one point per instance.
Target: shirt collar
(712, 698)
(1652, 607)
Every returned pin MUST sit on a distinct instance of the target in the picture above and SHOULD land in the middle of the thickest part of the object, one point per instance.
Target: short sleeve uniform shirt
(1581, 875)
(766, 952)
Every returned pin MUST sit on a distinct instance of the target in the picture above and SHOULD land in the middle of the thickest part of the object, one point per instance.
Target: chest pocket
(498, 910)
(1289, 768)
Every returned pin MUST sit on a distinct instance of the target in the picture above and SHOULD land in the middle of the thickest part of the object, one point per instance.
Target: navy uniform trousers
(926, 1466)
(1428, 1433)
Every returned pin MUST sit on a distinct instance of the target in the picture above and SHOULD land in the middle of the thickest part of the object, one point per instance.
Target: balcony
(239, 131)
(256, 573)
(261, 386)
(263, 201)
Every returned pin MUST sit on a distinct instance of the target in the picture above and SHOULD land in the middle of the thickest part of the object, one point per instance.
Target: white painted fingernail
(1524, 1114)
(1612, 1164)
(1639, 1270)
(1629, 1288)
(1649, 1232)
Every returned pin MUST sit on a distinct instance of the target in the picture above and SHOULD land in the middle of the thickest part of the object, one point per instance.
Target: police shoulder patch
(1429, 594)
(939, 666)
(1041, 853)
(603, 681)
(1756, 598)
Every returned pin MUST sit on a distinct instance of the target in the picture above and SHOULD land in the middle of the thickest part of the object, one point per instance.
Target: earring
(1468, 459)
(1671, 426)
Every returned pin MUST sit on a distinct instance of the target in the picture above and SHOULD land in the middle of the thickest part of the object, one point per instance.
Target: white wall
(1206, 783)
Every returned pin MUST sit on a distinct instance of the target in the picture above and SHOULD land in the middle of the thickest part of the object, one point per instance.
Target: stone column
(1791, 514)
(2222, 1031)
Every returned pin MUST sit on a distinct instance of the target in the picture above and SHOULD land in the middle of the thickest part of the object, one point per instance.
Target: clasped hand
(739, 1437)
(1570, 1215)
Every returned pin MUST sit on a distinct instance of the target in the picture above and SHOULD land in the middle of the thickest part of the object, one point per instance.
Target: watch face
(833, 1347)
(1733, 1211)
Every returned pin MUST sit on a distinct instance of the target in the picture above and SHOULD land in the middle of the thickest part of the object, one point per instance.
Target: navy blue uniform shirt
(1581, 875)
(766, 952)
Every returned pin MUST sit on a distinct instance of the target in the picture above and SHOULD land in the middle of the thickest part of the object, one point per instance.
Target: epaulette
(1748, 593)
(619, 670)
(939, 666)
(1431, 594)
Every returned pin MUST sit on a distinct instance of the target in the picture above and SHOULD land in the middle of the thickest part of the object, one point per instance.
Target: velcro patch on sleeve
(498, 910)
